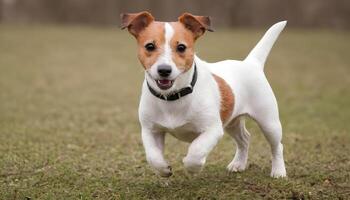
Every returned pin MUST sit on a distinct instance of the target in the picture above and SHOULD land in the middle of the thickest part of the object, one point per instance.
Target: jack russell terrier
(196, 101)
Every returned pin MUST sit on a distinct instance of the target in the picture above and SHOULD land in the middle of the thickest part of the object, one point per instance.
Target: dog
(196, 101)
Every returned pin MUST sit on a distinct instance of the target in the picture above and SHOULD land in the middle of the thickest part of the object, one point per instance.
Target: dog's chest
(180, 128)
(186, 132)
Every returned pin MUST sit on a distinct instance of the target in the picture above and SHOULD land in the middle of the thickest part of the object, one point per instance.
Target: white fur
(195, 118)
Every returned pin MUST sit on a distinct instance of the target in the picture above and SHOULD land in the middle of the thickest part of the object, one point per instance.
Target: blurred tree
(311, 13)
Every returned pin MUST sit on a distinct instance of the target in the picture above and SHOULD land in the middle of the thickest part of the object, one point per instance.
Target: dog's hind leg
(266, 115)
(273, 133)
(237, 130)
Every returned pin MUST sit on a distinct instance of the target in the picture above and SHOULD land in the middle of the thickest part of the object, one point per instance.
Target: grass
(69, 127)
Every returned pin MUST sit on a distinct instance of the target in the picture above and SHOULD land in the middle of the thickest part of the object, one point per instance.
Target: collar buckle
(179, 95)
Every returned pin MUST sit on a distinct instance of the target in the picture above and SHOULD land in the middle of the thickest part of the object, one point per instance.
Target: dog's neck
(182, 81)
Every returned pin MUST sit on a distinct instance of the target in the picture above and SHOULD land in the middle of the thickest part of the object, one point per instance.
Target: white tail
(262, 49)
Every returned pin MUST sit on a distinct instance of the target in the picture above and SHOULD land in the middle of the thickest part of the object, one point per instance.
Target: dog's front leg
(153, 142)
(201, 147)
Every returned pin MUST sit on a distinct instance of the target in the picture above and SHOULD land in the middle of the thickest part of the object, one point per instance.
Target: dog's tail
(262, 49)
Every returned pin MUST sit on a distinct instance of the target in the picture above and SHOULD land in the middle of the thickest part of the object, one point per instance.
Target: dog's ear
(197, 24)
(136, 22)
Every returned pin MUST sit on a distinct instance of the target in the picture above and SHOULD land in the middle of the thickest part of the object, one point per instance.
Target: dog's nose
(164, 70)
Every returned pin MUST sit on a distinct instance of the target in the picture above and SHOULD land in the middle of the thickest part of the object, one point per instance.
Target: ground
(69, 127)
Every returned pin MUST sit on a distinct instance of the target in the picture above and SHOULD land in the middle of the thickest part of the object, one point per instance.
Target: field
(69, 128)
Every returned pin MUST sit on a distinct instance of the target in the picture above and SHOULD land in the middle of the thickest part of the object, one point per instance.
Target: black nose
(164, 70)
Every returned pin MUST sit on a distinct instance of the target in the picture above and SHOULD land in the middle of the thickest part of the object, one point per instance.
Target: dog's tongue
(164, 82)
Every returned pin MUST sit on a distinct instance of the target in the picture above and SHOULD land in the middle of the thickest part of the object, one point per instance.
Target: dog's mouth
(164, 84)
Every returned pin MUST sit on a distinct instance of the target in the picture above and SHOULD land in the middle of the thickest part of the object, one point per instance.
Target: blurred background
(70, 83)
(225, 13)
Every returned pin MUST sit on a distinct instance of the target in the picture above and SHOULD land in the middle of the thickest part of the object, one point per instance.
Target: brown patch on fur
(227, 98)
(155, 33)
(184, 36)
(136, 22)
(196, 24)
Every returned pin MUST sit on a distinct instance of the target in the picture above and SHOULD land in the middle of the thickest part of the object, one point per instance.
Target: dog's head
(165, 49)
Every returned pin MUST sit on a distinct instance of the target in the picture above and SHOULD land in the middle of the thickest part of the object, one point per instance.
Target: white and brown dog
(194, 100)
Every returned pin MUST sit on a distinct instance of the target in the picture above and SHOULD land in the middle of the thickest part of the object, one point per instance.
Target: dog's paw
(236, 166)
(193, 166)
(165, 171)
(278, 168)
(279, 172)
(161, 167)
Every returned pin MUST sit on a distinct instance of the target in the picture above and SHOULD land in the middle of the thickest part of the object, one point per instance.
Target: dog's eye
(150, 47)
(181, 48)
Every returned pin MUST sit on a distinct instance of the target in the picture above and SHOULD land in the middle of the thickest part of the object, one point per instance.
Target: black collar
(180, 93)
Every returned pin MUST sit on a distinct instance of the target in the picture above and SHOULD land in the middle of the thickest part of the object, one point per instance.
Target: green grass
(69, 127)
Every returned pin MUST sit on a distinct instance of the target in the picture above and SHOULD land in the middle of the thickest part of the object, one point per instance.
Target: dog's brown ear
(136, 22)
(197, 24)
